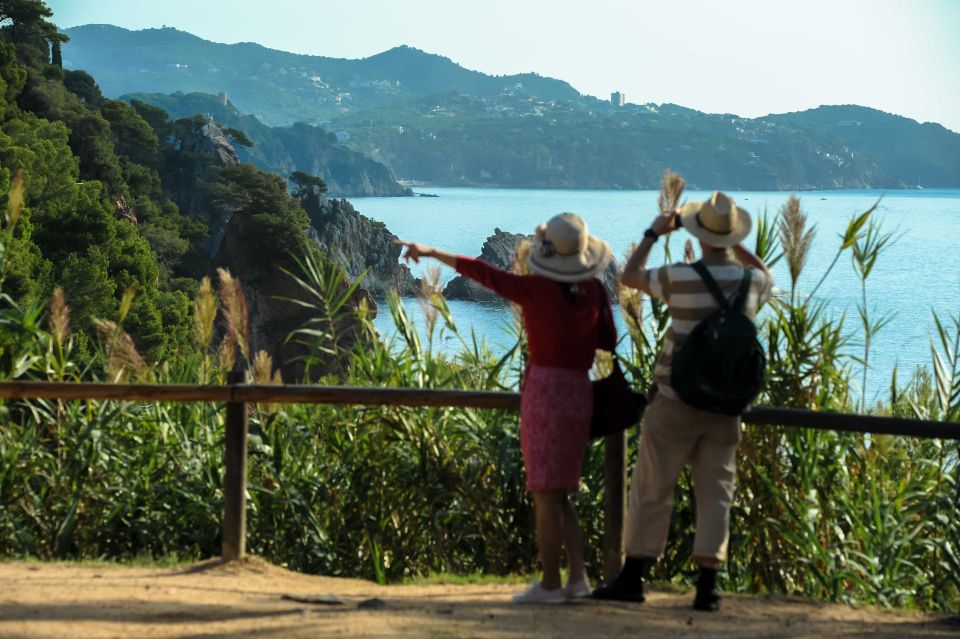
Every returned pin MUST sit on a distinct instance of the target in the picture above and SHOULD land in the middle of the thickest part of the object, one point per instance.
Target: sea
(916, 275)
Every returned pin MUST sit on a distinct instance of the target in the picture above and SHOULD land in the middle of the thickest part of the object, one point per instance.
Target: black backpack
(720, 366)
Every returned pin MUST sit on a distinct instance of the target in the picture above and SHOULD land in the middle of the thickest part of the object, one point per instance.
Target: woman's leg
(573, 541)
(549, 511)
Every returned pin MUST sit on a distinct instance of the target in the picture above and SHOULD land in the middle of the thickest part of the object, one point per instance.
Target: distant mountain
(279, 88)
(283, 150)
(429, 119)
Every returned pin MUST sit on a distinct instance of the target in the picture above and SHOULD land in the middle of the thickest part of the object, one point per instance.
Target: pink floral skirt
(556, 405)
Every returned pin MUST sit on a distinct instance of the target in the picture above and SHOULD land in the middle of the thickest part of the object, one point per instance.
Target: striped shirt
(689, 301)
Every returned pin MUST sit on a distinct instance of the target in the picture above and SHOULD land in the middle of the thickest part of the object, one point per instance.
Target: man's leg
(664, 448)
(714, 473)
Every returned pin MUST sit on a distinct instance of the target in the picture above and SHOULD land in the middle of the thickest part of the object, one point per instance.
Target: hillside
(428, 119)
(283, 150)
(457, 139)
(279, 88)
(927, 153)
(517, 141)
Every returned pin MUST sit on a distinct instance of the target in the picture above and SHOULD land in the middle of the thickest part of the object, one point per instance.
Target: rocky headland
(360, 245)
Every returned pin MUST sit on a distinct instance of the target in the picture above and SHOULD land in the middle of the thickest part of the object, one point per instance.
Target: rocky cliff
(498, 250)
(273, 317)
(359, 244)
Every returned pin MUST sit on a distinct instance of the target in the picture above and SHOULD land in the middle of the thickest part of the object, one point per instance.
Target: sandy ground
(245, 599)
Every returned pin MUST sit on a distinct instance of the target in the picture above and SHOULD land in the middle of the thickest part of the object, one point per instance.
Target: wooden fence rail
(236, 395)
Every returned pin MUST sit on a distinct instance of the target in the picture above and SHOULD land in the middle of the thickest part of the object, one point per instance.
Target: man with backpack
(710, 368)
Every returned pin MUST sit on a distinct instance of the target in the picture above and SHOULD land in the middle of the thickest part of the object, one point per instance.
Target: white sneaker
(536, 594)
(578, 590)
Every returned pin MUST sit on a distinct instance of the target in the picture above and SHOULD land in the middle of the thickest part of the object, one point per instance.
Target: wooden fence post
(614, 502)
(235, 476)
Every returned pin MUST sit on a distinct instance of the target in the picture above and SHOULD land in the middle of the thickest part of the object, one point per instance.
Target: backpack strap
(710, 283)
(744, 291)
(739, 301)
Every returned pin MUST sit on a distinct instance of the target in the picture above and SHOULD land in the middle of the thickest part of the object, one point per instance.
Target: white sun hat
(564, 250)
(718, 221)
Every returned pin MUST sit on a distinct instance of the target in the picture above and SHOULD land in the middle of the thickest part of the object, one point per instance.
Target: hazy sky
(749, 57)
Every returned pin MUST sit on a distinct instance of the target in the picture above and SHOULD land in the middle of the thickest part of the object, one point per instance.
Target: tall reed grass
(392, 492)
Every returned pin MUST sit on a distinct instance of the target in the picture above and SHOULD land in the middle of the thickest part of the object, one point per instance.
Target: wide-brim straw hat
(718, 221)
(563, 250)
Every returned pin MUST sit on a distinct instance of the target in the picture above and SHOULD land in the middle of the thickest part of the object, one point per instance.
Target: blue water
(917, 275)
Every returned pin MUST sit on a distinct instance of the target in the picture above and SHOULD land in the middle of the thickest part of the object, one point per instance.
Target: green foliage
(262, 209)
(156, 117)
(237, 137)
(130, 133)
(24, 22)
(12, 77)
(82, 163)
(306, 183)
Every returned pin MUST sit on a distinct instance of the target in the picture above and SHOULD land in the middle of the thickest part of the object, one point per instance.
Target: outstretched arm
(415, 251)
(515, 288)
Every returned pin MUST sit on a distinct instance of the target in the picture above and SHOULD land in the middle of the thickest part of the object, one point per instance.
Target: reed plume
(631, 301)
(262, 368)
(602, 364)
(671, 190)
(430, 289)
(795, 238)
(126, 302)
(59, 322)
(689, 256)
(520, 266)
(518, 261)
(227, 352)
(263, 373)
(15, 198)
(121, 355)
(205, 307)
(235, 313)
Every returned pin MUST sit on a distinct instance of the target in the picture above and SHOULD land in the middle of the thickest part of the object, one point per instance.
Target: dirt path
(245, 600)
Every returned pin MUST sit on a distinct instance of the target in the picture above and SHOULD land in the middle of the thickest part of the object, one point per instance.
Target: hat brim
(578, 267)
(690, 222)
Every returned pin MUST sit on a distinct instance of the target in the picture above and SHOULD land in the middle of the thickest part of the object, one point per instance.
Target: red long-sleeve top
(561, 333)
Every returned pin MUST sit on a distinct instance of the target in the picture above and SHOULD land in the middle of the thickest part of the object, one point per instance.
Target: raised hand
(665, 223)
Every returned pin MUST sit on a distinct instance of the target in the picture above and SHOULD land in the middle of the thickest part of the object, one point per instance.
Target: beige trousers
(673, 435)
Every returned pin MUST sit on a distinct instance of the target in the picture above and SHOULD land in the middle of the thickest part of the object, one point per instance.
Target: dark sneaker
(707, 601)
(707, 598)
(620, 590)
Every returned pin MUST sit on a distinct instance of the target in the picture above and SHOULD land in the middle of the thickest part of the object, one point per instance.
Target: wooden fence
(236, 395)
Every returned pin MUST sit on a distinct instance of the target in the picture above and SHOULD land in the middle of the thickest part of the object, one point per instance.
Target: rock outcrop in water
(498, 249)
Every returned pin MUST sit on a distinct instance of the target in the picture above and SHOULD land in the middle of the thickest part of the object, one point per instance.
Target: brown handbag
(616, 407)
